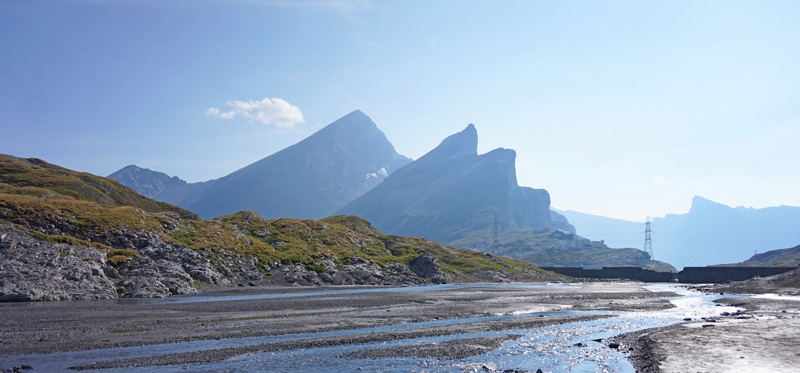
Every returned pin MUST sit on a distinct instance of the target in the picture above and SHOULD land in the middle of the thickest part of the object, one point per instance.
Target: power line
(494, 232)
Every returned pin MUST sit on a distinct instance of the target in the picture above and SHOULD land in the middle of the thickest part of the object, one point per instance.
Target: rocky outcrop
(359, 272)
(31, 269)
(428, 267)
(35, 270)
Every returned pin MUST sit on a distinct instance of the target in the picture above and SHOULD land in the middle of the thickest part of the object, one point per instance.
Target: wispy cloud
(275, 112)
(659, 179)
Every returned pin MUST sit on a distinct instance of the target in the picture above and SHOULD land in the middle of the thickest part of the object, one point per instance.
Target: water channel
(551, 348)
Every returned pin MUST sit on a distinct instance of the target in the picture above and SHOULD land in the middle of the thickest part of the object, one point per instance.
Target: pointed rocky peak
(353, 127)
(700, 204)
(458, 144)
(130, 168)
(132, 172)
(354, 120)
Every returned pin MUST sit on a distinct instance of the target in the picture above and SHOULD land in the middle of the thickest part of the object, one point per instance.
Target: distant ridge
(308, 180)
(26, 177)
(710, 233)
(157, 185)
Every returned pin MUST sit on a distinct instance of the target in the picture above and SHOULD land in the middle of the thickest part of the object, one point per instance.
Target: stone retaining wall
(689, 275)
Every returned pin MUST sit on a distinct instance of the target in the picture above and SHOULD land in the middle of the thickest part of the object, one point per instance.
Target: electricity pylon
(648, 241)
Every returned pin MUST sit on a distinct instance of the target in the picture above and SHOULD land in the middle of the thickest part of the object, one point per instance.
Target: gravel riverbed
(270, 318)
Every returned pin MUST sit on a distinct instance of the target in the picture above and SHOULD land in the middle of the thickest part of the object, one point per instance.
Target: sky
(625, 109)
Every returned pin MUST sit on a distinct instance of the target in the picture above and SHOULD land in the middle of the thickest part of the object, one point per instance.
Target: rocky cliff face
(308, 180)
(452, 191)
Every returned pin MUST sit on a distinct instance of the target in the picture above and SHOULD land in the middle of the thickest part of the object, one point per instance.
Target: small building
(562, 235)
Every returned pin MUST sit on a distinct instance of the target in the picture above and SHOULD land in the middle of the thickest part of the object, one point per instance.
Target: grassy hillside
(64, 206)
(36, 178)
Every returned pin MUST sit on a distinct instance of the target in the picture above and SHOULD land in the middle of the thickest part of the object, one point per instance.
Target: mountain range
(456, 196)
(710, 233)
(452, 194)
(308, 180)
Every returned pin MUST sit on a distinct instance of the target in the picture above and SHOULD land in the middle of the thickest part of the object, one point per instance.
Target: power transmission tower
(494, 232)
(648, 241)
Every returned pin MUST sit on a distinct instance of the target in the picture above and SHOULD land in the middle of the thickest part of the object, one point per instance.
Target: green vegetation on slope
(34, 177)
(64, 206)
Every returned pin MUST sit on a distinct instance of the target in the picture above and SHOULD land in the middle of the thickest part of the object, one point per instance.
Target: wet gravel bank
(764, 337)
(29, 328)
(207, 356)
(82, 325)
(450, 350)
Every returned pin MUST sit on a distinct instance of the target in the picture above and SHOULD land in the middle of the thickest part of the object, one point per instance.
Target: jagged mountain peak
(464, 143)
(452, 191)
(502, 153)
(700, 204)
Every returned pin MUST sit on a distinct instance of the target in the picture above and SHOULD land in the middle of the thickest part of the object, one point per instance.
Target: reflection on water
(551, 348)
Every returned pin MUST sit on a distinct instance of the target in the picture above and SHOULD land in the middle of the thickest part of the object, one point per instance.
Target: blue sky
(618, 108)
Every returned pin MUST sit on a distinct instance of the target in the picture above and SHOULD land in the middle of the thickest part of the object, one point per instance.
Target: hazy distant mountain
(452, 191)
(615, 232)
(710, 233)
(157, 185)
(310, 179)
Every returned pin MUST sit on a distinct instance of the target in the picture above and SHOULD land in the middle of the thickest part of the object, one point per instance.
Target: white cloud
(659, 179)
(275, 111)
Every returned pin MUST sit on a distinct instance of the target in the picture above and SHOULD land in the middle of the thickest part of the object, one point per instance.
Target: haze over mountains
(710, 233)
(452, 191)
(308, 180)
(456, 196)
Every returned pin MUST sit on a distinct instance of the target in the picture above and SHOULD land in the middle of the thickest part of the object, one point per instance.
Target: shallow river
(550, 348)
